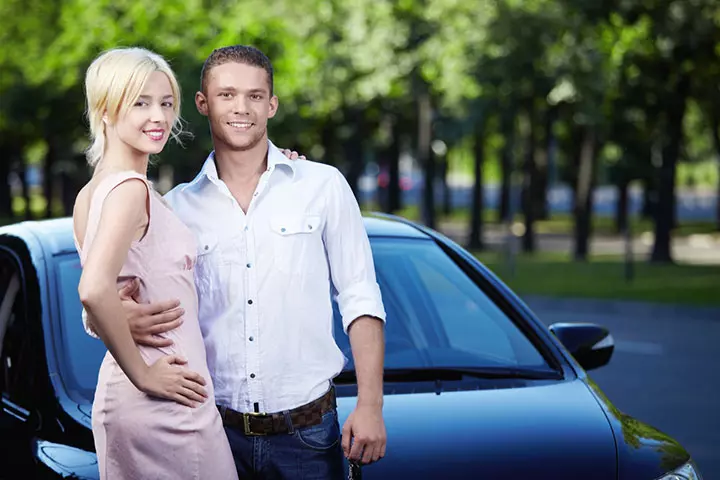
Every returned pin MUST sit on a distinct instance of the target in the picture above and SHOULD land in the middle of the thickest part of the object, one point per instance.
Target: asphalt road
(665, 370)
(700, 204)
(697, 249)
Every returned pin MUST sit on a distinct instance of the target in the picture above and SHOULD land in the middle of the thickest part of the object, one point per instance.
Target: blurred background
(573, 145)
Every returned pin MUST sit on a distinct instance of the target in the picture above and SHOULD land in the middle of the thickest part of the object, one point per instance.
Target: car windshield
(436, 317)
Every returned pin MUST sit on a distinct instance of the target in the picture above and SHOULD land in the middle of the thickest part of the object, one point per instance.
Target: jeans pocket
(323, 436)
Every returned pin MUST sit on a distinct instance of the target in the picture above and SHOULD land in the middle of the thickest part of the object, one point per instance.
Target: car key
(354, 473)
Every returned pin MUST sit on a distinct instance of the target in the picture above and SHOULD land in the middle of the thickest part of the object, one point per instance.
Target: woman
(154, 413)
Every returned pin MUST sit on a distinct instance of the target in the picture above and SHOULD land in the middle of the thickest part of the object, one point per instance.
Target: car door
(19, 354)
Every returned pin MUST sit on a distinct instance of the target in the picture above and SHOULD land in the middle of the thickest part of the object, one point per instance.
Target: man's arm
(353, 275)
(367, 341)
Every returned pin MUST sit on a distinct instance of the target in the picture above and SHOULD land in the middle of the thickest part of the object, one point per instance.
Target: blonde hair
(113, 83)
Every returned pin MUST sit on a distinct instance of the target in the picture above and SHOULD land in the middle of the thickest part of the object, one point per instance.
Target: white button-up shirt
(265, 280)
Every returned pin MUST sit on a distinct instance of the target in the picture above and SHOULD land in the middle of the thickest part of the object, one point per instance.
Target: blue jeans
(308, 453)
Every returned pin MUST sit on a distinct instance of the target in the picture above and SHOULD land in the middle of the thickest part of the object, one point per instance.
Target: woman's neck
(113, 161)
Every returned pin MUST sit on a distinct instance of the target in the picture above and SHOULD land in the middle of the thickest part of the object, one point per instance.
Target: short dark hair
(239, 54)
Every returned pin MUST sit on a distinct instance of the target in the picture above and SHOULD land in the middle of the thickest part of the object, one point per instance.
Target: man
(274, 237)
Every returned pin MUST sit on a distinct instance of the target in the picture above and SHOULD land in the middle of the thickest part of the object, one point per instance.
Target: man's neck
(241, 166)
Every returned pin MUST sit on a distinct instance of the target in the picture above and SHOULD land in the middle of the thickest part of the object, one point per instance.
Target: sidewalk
(693, 249)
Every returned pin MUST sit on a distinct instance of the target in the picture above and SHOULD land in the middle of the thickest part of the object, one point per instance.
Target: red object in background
(383, 181)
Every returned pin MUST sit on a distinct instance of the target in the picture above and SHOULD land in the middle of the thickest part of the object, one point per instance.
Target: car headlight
(686, 472)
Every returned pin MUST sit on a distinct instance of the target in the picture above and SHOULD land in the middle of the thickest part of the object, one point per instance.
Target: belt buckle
(246, 424)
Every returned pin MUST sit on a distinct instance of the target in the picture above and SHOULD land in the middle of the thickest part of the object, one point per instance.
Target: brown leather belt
(272, 423)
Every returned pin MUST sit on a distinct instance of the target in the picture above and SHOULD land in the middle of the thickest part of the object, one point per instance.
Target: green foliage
(340, 63)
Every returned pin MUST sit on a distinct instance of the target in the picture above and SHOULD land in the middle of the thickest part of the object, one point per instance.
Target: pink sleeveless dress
(138, 436)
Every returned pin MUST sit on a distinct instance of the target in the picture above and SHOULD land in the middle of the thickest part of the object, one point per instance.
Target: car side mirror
(590, 344)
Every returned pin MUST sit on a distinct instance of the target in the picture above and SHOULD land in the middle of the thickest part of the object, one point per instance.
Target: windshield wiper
(424, 374)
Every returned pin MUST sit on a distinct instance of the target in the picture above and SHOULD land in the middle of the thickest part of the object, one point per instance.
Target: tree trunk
(506, 167)
(714, 126)
(425, 157)
(49, 177)
(353, 148)
(329, 143)
(478, 205)
(529, 180)
(394, 191)
(662, 248)
(621, 206)
(73, 177)
(585, 182)
(24, 189)
(7, 158)
(447, 193)
(649, 200)
(542, 167)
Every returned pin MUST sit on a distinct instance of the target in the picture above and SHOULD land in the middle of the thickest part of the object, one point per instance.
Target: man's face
(238, 103)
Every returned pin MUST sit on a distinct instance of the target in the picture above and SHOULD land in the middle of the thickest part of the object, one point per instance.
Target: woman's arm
(123, 215)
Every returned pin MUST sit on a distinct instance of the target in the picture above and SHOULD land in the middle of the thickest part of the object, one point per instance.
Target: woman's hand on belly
(168, 379)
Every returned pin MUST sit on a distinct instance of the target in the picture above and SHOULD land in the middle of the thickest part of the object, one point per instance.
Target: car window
(436, 314)
(83, 354)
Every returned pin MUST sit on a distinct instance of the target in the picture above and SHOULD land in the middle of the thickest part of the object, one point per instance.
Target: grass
(562, 223)
(555, 274)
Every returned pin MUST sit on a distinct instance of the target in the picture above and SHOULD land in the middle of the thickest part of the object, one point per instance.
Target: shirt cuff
(86, 324)
(360, 300)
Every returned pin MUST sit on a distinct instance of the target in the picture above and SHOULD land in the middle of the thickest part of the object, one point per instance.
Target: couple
(224, 316)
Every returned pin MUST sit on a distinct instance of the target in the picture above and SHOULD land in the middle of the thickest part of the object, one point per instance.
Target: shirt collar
(275, 158)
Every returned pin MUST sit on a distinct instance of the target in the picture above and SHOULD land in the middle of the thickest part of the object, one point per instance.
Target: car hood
(556, 431)
(565, 430)
(643, 451)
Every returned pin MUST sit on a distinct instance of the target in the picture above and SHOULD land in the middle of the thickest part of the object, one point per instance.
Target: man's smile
(242, 126)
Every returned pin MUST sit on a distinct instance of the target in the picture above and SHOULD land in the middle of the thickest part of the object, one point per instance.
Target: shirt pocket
(209, 259)
(294, 238)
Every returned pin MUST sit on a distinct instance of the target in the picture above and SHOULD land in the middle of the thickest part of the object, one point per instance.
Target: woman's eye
(167, 104)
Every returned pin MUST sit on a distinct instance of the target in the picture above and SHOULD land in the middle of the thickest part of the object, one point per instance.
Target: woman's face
(145, 127)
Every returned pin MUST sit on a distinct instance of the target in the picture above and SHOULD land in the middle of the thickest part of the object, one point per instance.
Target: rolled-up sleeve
(349, 256)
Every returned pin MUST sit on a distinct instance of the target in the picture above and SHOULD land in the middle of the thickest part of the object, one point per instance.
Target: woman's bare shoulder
(127, 192)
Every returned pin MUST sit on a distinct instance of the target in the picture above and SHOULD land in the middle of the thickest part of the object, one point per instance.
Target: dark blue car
(476, 387)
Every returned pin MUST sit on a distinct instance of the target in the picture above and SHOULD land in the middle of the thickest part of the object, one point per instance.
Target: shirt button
(207, 247)
(247, 228)
(249, 302)
(251, 338)
(282, 229)
(255, 194)
(309, 227)
(248, 265)
(252, 375)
